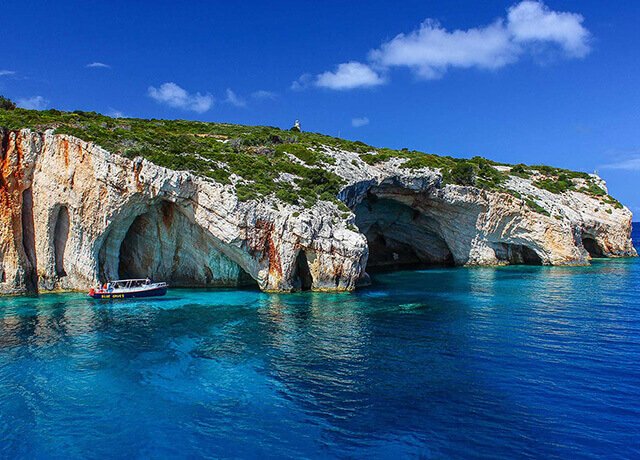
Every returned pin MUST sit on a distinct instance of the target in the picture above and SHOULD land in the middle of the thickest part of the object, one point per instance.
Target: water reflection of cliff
(417, 350)
(38, 322)
(324, 352)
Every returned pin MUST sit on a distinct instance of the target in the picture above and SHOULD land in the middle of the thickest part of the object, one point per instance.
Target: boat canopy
(130, 283)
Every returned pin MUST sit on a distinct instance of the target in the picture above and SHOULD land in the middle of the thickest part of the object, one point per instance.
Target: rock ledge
(73, 214)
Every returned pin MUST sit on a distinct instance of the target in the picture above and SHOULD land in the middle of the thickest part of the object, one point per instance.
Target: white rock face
(73, 215)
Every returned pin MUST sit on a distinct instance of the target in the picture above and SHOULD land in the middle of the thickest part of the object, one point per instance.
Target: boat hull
(157, 292)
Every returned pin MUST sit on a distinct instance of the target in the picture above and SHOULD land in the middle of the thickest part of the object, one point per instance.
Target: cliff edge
(85, 198)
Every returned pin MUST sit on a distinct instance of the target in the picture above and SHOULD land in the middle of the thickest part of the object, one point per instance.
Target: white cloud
(98, 65)
(359, 122)
(632, 163)
(174, 96)
(349, 75)
(302, 82)
(234, 99)
(5, 73)
(430, 50)
(263, 94)
(533, 21)
(33, 103)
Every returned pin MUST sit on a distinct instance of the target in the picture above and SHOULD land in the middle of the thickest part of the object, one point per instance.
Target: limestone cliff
(73, 214)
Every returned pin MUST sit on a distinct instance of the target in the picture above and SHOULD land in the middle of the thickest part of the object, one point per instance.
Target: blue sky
(554, 82)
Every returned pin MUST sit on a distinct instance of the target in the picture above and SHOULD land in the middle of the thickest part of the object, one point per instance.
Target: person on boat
(147, 281)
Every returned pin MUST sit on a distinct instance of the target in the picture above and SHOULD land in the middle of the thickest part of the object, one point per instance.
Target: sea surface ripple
(512, 362)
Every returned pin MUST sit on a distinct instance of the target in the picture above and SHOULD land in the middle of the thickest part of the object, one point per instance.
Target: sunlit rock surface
(73, 215)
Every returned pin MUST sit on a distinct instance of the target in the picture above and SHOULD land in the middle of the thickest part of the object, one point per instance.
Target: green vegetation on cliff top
(259, 155)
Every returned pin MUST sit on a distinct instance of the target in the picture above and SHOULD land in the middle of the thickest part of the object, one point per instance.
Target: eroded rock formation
(73, 214)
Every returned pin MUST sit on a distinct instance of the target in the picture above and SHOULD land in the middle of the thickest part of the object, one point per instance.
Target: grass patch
(536, 207)
(613, 202)
(558, 184)
(557, 180)
(305, 154)
(259, 155)
(212, 150)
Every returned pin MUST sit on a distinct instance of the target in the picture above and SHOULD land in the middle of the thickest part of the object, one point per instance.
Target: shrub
(536, 207)
(520, 170)
(344, 207)
(613, 202)
(7, 104)
(309, 156)
(593, 189)
(488, 176)
(463, 173)
(287, 195)
(560, 184)
(258, 154)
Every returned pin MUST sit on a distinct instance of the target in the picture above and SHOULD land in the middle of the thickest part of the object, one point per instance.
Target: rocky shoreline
(74, 214)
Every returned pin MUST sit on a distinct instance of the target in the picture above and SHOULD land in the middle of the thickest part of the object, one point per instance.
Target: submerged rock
(73, 214)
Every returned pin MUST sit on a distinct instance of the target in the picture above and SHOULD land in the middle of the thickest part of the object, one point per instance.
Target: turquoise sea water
(514, 362)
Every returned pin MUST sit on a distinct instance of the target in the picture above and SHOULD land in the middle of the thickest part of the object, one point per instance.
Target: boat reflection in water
(129, 289)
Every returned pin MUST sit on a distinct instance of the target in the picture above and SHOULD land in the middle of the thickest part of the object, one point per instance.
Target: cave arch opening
(60, 237)
(163, 243)
(29, 242)
(400, 236)
(516, 254)
(592, 247)
(138, 256)
(302, 278)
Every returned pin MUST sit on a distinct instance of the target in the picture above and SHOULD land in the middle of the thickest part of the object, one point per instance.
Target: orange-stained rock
(133, 218)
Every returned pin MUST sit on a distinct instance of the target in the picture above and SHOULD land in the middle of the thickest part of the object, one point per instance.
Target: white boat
(128, 289)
